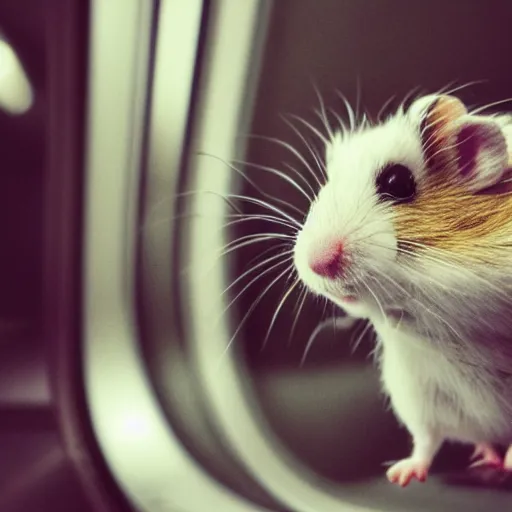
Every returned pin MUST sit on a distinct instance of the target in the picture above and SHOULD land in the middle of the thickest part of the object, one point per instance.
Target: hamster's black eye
(396, 182)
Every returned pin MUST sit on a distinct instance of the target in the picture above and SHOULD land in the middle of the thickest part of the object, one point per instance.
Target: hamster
(413, 231)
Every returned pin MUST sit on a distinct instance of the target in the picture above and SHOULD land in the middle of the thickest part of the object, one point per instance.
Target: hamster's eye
(396, 182)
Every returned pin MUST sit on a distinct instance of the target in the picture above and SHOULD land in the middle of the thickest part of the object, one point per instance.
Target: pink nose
(328, 261)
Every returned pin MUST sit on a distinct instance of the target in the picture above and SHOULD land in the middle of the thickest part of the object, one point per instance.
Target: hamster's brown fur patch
(474, 227)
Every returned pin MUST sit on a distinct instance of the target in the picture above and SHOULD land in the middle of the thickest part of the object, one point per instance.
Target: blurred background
(139, 371)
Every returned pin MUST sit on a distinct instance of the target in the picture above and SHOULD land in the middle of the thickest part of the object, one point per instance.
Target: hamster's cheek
(377, 245)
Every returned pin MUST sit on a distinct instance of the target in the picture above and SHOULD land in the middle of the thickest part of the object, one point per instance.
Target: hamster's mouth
(346, 293)
(345, 296)
(348, 299)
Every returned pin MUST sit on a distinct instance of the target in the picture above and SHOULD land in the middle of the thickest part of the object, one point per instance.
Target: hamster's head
(412, 201)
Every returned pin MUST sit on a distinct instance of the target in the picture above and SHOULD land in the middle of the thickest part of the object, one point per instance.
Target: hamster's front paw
(403, 471)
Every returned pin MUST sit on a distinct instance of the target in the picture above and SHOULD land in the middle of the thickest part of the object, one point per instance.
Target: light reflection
(135, 425)
(16, 95)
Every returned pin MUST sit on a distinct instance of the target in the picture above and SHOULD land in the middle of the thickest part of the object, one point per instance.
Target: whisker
(323, 113)
(312, 128)
(307, 145)
(409, 98)
(314, 335)
(360, 338)
(301, 301)
(324, 310)
(254, 280)
(251, 309)
(252, 236)
(292, 150)
(448, 148)
(267, 205)
(392, 281)
(218, 256)
(380, 286)
(340, 122)
(333, 315)
(282, 175)
(276, 313)
(489, 105)
(461, 87)
(326, 301)
(299, 174)
(421, 304)
(254, 217)
(385, 106)
(255, 267)
(345, 324)
(363, 221)
(384, 317)
(238, 245)
(359, 93)
(458, 335)
(348, 108)
(413, 269)
(448, 89)
(258, 188)
(432, 124)
(327, 126)
(281, 245)
(365, 121)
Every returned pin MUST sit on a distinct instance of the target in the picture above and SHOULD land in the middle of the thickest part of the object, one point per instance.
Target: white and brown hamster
(413, 230)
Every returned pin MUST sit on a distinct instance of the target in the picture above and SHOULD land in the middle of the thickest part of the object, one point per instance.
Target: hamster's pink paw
(486, 455)
(402, 472)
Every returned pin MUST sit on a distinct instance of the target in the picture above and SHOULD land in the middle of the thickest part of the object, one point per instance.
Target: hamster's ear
(480, 151)
(473, 148)
(435, 115)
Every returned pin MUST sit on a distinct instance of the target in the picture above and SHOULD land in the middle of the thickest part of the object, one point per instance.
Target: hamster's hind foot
(486, 455)
(403, 471)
